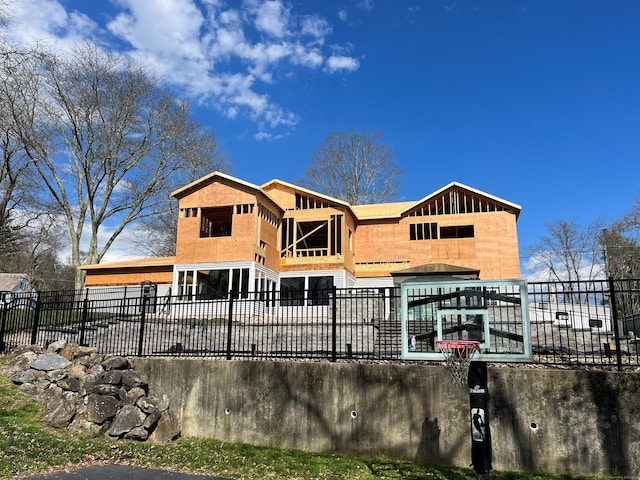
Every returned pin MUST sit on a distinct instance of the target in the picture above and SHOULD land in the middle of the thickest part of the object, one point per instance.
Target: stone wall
(90, 394)
(542, 420)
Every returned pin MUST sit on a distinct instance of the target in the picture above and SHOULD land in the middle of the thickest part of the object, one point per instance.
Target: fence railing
(571, 323)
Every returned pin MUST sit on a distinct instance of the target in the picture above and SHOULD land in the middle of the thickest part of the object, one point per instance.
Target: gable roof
(224, 178)
(10, 282)
(399, 209)
(275, 183)
(457, 186)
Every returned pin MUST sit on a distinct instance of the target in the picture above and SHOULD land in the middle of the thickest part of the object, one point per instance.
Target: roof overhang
(438, 270)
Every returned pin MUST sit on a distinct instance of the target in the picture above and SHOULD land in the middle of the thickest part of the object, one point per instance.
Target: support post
(36, 318)
(334, 324)
(479, 416)
(142, 324)
(232, 295)
(614, 319)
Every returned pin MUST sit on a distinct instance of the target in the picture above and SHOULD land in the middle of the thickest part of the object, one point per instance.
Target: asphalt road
(121, 472)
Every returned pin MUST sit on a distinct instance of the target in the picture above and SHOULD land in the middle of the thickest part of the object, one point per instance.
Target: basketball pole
(479, 417)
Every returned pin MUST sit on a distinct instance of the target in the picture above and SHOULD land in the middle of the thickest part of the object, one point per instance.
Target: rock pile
(89, 393)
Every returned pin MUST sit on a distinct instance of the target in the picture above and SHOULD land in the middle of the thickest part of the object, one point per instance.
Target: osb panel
(269, 235)
(493, 250)
(283, 196)
(126, 277)
(216, 194)
(190, 248)
(299, 267)
(313, 214)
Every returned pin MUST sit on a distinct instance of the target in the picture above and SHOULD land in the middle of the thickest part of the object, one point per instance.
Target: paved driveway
(121, 472)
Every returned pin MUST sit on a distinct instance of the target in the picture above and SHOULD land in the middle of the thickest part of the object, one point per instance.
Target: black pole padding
(480, 432)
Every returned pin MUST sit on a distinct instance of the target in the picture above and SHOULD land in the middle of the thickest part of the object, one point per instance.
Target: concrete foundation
(542, 420)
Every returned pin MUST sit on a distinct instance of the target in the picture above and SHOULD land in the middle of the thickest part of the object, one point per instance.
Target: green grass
(27, 446)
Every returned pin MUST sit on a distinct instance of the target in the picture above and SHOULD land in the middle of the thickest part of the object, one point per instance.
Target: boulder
(55, 347)
(101, 408)
(115, 363)
(76, 370)
(137, 433)
(49, 361)
(167, 428)
(131, 396)
(25, 376)
(127, 419)
(113, 377)
(19, 363)
(106, 389)
(59, 412)
(131, 378)
(81, 426)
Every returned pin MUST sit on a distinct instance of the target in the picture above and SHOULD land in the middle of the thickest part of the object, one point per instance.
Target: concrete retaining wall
(542, 420)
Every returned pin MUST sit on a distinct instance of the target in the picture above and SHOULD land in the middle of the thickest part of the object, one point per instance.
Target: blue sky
(536, 102)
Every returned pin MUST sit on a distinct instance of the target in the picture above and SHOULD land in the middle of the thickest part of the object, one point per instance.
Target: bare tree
(156, 234)
(18, 178)
(109, 144)
(36, 255)
(354, 167)
(569, 252)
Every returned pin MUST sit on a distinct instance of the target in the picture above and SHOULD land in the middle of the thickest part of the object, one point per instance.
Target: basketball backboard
(492, 312)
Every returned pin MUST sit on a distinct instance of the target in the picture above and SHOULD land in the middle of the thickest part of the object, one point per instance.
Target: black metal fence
(572, 323)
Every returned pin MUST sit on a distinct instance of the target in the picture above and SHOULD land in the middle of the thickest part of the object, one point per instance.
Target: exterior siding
(128, 276)
(385, 246)
(190, 248)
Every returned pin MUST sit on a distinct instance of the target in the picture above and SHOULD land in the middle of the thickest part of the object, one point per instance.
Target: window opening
(216, 222)
(423, 231)
(461, 231)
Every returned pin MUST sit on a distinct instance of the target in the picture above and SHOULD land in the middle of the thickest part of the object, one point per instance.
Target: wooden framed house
(240, 237)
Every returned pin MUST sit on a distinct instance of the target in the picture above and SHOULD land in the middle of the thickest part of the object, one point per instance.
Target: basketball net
(458, 355)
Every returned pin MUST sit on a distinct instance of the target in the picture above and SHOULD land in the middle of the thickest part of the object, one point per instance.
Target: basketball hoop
(458, 355)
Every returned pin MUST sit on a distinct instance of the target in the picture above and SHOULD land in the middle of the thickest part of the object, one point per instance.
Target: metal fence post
(3, 319)
(36, 320)
(230, 324)
(334, 323)
(142, 321)
(616, 328)
(83, 319)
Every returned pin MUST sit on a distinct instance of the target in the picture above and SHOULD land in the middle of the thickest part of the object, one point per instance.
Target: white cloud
(342, 15)
(48, 23)
(336, 63)
(316, 27)
(221, 56)
(265, 136)
(270, 17)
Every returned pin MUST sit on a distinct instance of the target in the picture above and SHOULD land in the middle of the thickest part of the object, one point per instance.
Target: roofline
(310, 192)
(515, 206)
(306, 190)
(181, 192)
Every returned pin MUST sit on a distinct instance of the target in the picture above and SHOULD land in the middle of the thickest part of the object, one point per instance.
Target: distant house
(13, 283)
(234, 235)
